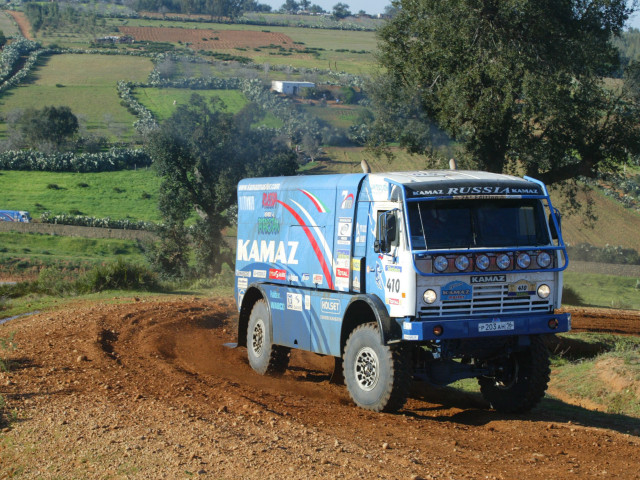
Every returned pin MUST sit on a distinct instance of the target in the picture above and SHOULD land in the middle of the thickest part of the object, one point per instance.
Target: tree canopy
(48, 128)
(201, 152)
(519, 83)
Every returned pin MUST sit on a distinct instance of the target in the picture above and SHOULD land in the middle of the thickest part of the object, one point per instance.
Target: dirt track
(146, 389)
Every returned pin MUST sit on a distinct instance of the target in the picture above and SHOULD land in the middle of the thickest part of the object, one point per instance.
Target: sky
(370, 6)
(377, 6)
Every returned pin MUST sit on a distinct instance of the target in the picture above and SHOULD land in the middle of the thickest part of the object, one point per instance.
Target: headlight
(482, 262)
(524, 260)
(544, 291)
(462, 263)
(503, 261)
(441, 263)
(543, 260)
(429, 296)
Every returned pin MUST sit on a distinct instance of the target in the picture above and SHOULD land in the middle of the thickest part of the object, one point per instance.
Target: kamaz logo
(329, 305)
(267, 251)
(489, 279)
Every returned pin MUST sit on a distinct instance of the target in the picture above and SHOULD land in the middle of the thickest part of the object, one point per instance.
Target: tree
(290, 6)
(519, 83)
(201, 152)
(316, 9)
(305, 4)
(48, 126)
(3, 39)
(341, 10)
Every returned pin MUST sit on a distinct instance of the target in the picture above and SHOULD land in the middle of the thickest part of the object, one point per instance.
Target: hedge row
(114, 159)
(84, 221)
(607, 254)
(145, 123)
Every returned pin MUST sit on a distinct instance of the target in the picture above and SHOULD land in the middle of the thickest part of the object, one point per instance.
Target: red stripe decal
(315, 202)
(314, 244)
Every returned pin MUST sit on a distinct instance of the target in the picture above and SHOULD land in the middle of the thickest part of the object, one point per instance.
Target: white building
(290, 88)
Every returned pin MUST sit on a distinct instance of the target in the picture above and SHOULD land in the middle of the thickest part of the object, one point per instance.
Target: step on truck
(426, 275)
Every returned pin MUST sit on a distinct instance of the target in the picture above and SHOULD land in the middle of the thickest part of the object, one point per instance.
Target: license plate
(495, 326)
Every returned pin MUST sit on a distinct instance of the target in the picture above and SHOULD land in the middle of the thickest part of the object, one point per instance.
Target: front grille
(487, 300)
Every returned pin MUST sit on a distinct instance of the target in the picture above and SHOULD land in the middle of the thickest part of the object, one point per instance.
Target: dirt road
(146, 389)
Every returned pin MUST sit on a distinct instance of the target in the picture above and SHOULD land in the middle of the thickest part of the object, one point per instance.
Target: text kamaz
(434, 275)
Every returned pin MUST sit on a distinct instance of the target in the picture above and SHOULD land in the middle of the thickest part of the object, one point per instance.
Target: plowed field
(201, 39)
(146, 389)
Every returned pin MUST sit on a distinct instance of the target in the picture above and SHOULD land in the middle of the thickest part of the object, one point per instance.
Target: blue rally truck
(14, 216)
(434, 275)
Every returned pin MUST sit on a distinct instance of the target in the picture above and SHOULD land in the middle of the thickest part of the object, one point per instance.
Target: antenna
(365, 166)
(452, 164)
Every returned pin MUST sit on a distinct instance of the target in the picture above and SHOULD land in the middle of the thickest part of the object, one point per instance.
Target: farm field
(86, 84)
(339, 116)
(22, 255)
(163, 101)
(118, 195)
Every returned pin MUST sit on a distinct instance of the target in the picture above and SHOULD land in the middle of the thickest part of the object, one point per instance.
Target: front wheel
(264, 357)
(520, 380)
(377, 376)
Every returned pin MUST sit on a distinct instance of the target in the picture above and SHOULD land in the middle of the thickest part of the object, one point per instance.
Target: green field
(86, 84)
(119, 195)
(163, 101)
(342, 116)
(8, 25)
(36, 248)
(605, 290)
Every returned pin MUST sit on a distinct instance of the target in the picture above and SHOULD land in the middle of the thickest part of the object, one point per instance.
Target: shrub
(120, 275)
(571, 297)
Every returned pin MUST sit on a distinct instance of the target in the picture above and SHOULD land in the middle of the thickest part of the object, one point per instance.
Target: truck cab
(432, 275)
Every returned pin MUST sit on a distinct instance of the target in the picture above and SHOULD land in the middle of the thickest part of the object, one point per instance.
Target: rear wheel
(264, 357)
(520, 381)
(377, 375)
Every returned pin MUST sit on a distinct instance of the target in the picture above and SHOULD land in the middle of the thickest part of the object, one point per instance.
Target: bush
(120, 275)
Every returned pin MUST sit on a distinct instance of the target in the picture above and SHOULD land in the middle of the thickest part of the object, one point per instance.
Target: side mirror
(387, 232)
(552, 226)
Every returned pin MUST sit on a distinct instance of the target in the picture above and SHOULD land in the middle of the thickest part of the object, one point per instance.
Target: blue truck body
(327, 254)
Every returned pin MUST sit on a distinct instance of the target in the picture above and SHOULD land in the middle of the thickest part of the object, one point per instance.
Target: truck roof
(460, 182)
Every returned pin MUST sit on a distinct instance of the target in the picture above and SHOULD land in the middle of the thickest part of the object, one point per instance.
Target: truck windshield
(450, 224)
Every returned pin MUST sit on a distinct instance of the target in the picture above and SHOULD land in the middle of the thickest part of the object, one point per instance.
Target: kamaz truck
(14, 216)
(429, 275)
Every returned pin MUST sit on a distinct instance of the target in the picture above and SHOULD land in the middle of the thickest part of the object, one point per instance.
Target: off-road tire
(264, 357)
(378, 376)
(527, 387)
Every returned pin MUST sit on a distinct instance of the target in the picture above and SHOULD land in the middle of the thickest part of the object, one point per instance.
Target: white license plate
(495, 326)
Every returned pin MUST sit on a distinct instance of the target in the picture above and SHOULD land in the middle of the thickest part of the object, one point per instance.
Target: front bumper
(489, 326)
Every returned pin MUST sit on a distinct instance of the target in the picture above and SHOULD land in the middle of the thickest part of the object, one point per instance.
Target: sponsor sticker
(293, 277)
(344, 231)
(260, 273)
(243, 282)
(294, 301)
(330, 305)
(305, 277)
(409, 337)
(277, 274)
(274, 294)
(456, 290)
(307, 302)
(342, 272)
(318, 278)
(277, 305)
(355, 264)
(343, 258)
(269, 199)
(246, 203)
(393, 301)
(356, 284)
(393, 268)
(242, 273)
(521, 288)
(347, 200)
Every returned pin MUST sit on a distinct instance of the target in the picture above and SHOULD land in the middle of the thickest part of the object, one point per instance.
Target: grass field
(605, 290)
(43, 248)
(163, 101)
(342, 116)
(124, 194)
(86, 84)
(7, 25)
